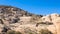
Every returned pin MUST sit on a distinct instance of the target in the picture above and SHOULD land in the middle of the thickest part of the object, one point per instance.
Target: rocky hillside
(15, 19)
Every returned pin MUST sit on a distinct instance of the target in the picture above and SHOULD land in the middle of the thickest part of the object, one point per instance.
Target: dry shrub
(45, 31)
(13, 32)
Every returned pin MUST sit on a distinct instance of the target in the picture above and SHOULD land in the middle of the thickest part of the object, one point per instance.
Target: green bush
(13, 32)
(30, 33)
(18, 32)
(44, 31)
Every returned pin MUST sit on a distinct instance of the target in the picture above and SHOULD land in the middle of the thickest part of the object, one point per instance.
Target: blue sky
(35, 6)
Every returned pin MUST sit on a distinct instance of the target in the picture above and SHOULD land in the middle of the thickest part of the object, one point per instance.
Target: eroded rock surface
(12, 18)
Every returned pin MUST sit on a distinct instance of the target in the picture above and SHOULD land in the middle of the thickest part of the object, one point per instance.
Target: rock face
(55, 19)
(12, 18)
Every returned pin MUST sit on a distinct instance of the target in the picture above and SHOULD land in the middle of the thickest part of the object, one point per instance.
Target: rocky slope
(12, 18)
